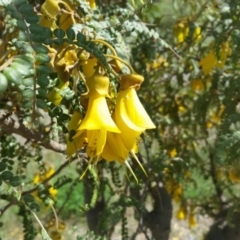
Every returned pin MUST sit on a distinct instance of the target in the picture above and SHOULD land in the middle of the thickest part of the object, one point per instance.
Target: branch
(65, 164)
(12, 126)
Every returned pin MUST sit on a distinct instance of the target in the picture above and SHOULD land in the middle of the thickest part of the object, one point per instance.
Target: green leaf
(42, 58)
(70, 34)
(3, 166)
(21, 25)
(42, 69)
(26, 48)
(58, 41)
(39, 37)
(15, 181)
(28, 198)
(81, 39)
(7, 175)
(32, 18)
(28, 93)
(23, 36)
(19, 3)
(39, 48)
(28, 82)
(59, 33)
(26, 9)
(42, 92)
(34, 206)
(41, 104)
(35, 28)
(43, 80)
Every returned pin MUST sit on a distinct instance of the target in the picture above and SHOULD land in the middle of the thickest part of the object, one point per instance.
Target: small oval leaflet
(43, 80)
(15, 181)
(7, 175)
(70, 34)
(26, 9)
(3, 166)
(28, 198)
(59, 33)
(34, 206)
(42, 58)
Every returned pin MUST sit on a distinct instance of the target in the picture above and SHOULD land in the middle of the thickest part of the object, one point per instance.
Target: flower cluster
(181, 31)
(212, 59)
(110, 135)
(113, 123)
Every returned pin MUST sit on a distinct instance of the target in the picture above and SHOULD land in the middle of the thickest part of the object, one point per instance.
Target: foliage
(66, 66)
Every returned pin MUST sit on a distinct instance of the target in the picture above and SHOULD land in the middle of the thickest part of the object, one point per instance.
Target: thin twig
(10, 125)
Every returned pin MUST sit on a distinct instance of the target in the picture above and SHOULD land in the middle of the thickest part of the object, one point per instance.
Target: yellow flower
(192, 220)
(92, 3)
(157, 63)
(66, 21)
(53, 192)
(182, 213)
(181, 30)
(172, 153)
(130, 116)
(114, 148)
(197, 33)
(211, 60)
(36, 179)
(197, 85)
(74, 144)
(46, 22)
(65, 61)
(208, 63)
(89, 67)
(50, 9)
(97, 121)
(234, 174)
(55, 95)
(177, 193)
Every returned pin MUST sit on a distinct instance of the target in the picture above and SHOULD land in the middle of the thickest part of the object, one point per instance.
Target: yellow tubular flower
(208, 63)
(114, 148)
(50, 9)
(182, 213)
(181, 30)
(92, 3)
(66, 21)
(130, 116)
(74, 144)
(97, 121)
(46, 22)
(192, 221)
(89, 68)
(54, 96)
(53, 192)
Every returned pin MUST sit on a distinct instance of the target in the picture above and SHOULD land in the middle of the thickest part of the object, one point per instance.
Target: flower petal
(135, 110)
(114, 148)
(98, 116)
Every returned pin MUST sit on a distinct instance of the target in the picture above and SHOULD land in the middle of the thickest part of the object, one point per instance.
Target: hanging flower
(74, 144)
(50, 9)
(55, 95)
(92, 3)
(130, 116)
(182, 212)
(211, 60)
(97, 121)
(181, 30)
